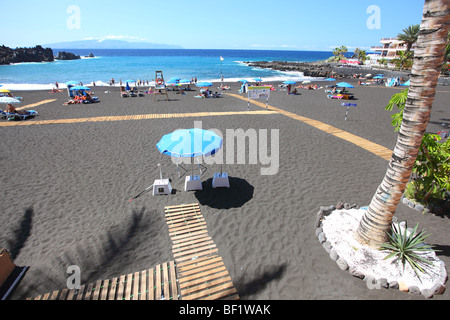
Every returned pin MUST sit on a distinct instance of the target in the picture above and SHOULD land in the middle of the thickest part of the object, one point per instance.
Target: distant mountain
(109, 44)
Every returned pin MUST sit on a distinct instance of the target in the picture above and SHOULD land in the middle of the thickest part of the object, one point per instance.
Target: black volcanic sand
(66, 191)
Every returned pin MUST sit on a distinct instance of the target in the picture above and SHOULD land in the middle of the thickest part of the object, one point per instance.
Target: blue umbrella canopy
(9, 100)
(190, 143)
(257, 79)
(344, 85)
(289, 82)
(80, 88)
(330, 79)
(378, 77)
(204, 84)
(72, 83)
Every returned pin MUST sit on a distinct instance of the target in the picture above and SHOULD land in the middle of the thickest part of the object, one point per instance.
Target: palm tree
(359, 54)
(338, 52)
(403, 60)
(376, 222)
(409, 36)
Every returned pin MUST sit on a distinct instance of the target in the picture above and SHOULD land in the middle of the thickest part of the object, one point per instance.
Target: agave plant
(408, 247)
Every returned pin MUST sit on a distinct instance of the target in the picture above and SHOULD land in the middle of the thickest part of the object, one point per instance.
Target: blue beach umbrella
(344, 85)
(242, 80)
(9, 100)
(72, 83)
(257, 79)
(289, 82)
(378, 77)
(185, 81)
(329, 79)
(188, 143)
(204, 84)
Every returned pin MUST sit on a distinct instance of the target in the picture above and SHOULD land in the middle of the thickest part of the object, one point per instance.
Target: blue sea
(141, 64)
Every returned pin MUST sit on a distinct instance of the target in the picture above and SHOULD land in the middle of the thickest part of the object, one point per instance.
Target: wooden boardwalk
(159, 283)
(201, 272)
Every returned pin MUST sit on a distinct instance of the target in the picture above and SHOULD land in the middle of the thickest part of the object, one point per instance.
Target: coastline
(325, 69)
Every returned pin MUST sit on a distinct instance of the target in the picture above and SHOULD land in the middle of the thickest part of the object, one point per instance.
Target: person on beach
(11, 109)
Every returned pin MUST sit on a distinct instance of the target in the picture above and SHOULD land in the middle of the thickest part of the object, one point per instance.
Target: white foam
(28, 86)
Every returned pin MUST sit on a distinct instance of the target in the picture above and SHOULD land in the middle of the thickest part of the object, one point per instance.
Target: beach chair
(18, 116)
(123, 93)
(330, 96)
(341, 96)
(10, 274)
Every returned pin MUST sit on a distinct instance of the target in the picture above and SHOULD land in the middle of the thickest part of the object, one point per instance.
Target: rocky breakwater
(309, 69)
(62, 55)
(18, 55)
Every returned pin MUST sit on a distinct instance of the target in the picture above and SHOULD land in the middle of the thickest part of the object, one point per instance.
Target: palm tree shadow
(259, 283)
(239, 193)
(112, 255)
(21, 234)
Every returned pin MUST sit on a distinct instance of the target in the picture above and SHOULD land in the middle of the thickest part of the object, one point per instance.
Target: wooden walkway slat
(201, 272)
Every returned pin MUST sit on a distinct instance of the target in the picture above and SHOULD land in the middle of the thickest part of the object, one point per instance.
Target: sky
(316, 25)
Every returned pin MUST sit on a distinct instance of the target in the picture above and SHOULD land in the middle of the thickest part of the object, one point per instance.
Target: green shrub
(431, 171)
(408, 248)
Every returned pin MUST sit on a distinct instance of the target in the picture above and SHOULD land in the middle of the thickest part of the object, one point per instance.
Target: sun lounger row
(126, 94)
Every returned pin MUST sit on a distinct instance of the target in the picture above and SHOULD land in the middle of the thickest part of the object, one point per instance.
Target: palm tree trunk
(429, 54)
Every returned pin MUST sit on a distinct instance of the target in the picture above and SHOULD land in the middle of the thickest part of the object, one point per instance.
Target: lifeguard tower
(160, 85)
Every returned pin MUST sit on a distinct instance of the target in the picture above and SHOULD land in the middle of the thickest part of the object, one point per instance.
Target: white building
(390, 46)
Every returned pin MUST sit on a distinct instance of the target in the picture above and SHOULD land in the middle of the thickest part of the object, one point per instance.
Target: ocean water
(141, 64)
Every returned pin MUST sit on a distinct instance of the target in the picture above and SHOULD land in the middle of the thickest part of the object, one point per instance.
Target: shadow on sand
(239, 193)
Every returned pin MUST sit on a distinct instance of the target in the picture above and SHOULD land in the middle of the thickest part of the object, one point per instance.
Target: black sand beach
(67, 186)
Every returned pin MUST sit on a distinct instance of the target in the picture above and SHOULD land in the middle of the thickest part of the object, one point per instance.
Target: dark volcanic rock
(36, 54)
(62, 55)
(309, 69)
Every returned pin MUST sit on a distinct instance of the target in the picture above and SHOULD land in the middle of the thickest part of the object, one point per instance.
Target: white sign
(258, 92)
